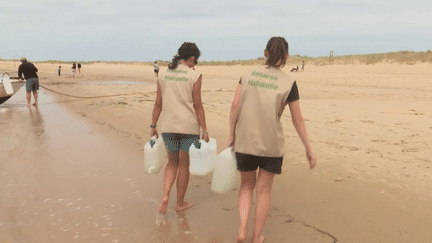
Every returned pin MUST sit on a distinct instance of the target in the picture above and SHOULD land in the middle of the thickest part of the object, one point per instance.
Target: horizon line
(232, 60)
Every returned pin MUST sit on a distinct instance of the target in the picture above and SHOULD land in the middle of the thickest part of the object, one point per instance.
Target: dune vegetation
(402, 57)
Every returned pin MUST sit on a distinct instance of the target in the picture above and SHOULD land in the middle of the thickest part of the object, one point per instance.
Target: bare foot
(261, 239)
(163, 207)
(184, 206)
(28, 105)
(35, 104)
(242, 235)
(160, 219)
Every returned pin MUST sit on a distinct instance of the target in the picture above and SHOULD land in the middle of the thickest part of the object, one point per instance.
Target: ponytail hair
(174, 63)
(276, 52)
(186, 50)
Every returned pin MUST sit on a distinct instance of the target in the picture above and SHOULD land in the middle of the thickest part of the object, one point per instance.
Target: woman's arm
(300, 127)
(281, 109)
(199, 109)
(157, 109)
(234, 115)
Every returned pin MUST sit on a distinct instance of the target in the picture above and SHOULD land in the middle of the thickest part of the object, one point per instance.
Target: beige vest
(259, 130)
(178, 114)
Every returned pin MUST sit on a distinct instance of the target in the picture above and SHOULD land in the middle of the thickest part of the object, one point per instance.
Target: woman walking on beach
(256, 132)
(178, 98)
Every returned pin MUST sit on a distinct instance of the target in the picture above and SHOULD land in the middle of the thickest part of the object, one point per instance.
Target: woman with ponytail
(256, 132)
(178, 102)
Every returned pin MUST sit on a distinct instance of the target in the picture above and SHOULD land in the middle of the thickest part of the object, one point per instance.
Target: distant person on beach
(256, 132)
(59, 71)
(178, 102)
(156, 69)
(73, 69)
(32, 80)
(294, 69)
(303, 64)
(79, 68)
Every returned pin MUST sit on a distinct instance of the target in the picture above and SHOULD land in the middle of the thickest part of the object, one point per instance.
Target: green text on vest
(264, 76)
(176, 71)
(255, 83)
(180, 79)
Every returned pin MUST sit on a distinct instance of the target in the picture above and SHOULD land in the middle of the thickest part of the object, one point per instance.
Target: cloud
(154, 29)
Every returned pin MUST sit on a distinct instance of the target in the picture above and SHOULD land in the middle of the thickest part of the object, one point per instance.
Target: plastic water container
(225, 173)
(7, 84)
(202, 159)
(153, 155)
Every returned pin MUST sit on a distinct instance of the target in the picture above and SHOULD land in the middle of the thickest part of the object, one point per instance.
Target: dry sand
(370, 126)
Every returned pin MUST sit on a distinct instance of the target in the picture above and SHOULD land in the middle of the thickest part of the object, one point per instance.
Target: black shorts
(248, 163)
(156, 71)
(175, 142)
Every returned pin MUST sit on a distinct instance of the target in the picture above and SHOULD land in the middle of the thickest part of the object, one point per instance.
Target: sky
(141, 30)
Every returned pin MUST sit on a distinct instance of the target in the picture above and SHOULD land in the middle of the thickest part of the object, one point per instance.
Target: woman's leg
(170, 175)
(263, 191)
(247, 186)
(183, 182)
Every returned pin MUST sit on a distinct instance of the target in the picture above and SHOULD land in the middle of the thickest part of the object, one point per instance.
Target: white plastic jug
(225, 172)
(153, 155)
(202, 159)
(7, 84)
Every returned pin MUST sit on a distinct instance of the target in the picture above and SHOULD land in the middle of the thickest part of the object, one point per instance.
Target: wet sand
(64, 179)
(369, 125)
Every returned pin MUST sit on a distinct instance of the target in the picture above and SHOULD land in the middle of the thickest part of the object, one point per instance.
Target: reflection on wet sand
(37, 125)
(163, 231)
(61, 182)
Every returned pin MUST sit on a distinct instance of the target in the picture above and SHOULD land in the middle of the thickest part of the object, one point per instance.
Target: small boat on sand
(8, 86)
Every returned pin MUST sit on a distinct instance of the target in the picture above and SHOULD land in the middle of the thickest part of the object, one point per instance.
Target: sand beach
(369, 125)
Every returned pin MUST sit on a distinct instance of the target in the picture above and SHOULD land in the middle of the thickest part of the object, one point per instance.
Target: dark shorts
(248, 163)
(156, 71)
(175, 142)
(32, 84)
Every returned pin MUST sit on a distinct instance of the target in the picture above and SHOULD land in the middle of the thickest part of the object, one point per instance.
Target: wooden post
(331, 57)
